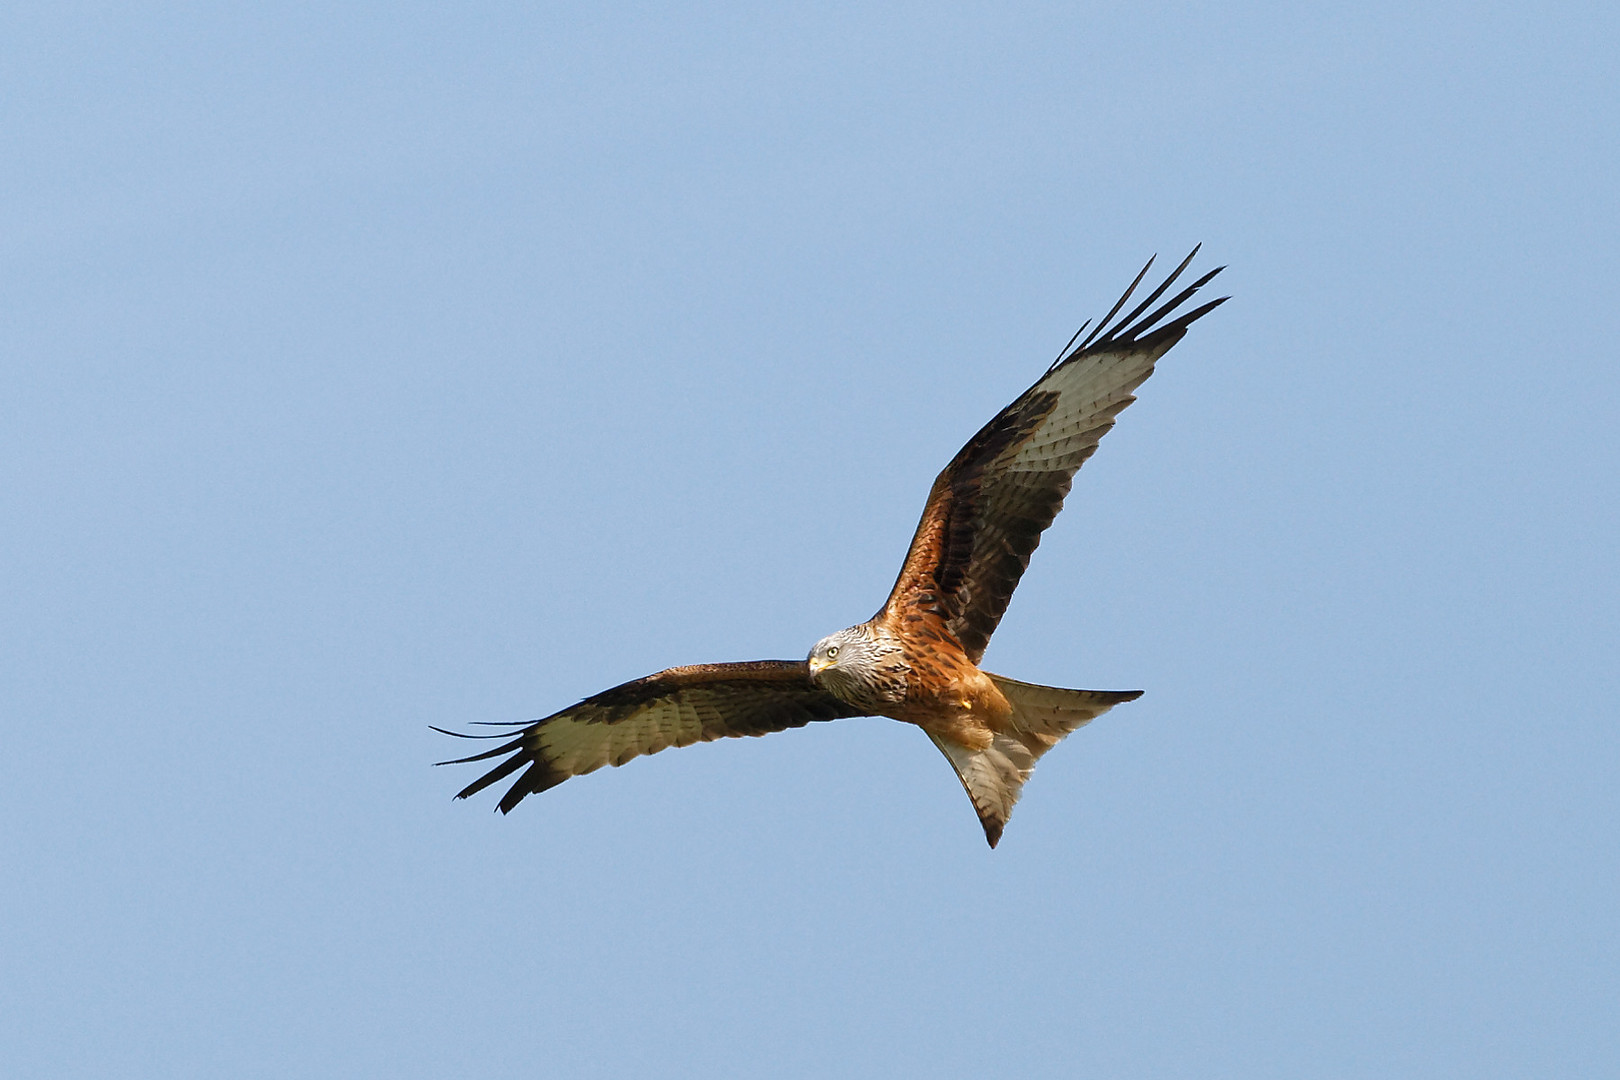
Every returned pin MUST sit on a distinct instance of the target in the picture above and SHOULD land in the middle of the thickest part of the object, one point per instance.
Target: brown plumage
(916, 660)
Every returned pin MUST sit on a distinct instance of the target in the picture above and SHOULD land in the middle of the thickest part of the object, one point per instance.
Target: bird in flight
(917, 659)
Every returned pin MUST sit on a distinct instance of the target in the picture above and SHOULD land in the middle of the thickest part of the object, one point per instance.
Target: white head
(861, 665)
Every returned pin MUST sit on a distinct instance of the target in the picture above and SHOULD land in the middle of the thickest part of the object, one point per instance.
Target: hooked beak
(818, 664)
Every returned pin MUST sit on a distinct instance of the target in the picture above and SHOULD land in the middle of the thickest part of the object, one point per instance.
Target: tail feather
(994, 777)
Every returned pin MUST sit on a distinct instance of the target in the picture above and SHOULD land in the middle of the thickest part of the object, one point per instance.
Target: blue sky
(386, 366)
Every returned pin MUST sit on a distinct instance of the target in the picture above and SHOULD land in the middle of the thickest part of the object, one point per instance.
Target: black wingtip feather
(470, 735)
(515, 744)
(497, 774)
(1184, 321)
(1102, 324)
(1156, 293)
(1136, 328)
(538, 777)
(1063, 352)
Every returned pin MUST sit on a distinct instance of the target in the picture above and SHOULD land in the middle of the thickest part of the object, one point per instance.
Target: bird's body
(924, 678)
(917, 659)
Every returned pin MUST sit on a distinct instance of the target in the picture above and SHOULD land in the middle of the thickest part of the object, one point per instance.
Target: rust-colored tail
(1042, 715)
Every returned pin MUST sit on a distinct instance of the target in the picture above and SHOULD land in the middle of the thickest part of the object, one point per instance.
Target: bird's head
(859, 665)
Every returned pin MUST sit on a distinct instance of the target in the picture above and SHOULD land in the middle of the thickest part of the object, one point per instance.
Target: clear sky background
(397, 365)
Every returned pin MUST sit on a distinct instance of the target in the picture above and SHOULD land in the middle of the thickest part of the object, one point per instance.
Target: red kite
(917, 659)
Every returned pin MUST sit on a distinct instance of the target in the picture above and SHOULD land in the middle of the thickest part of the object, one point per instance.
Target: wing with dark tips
(987, 510)
(676, 707)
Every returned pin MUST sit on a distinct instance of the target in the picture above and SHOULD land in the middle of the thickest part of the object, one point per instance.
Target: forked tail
(1042, 715)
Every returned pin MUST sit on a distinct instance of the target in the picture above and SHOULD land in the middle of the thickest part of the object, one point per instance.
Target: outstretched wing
(987, 510)
(676, 707)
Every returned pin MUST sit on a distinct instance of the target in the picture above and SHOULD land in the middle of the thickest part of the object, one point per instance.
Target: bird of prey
(917, 659)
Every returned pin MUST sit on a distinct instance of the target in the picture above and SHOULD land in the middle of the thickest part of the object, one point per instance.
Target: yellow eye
(832, 652)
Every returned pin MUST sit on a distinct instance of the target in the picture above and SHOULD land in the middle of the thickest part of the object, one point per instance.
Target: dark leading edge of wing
(988, 508)
(676, 707)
